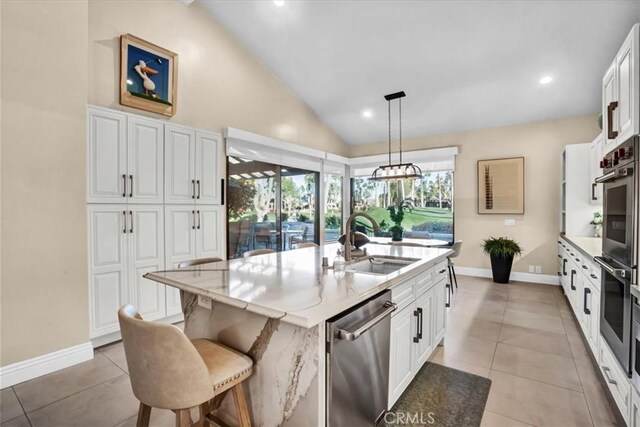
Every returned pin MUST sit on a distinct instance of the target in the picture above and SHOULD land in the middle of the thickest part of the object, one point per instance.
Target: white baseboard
(545, 279)
(29, 369)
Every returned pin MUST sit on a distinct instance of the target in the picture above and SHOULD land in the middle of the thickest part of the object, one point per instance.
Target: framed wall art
(501, 186)
(148, 76)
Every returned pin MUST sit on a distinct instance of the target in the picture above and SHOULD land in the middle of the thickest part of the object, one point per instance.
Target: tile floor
(522, 336)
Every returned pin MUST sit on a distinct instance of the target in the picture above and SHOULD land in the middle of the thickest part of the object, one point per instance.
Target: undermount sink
(380, 264)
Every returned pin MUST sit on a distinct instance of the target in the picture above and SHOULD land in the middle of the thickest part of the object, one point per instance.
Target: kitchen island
(274, 308)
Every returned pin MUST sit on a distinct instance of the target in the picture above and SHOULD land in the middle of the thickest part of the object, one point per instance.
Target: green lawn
(415, 217)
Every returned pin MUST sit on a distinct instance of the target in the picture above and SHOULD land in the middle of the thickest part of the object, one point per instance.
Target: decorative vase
(597, 230)
(396, 236)
(501, 268)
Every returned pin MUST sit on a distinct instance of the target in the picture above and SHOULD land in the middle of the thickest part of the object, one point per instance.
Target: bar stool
(198, 261)
(452, 271)
(255, 252)
(168, 371)
(306, 245)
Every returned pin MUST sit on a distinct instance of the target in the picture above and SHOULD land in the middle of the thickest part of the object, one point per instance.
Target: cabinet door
(145, 159)
(180, 176)
(627, 88)
(609, 95)
(424, 308)
(595, 155)
(401, 372)
(108, 236)
(107, 157)
(180, 245)
(209, 231)
(146, 254)
(594, 321)
(439, 312)
(634, 419)
(208, 167)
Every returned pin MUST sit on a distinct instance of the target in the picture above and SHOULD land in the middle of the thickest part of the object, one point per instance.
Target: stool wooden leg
(144, 414)
(183, 418)
(241, 406)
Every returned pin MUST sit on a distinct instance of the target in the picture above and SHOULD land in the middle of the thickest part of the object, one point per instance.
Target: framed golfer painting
(148, 76)
(501, 186)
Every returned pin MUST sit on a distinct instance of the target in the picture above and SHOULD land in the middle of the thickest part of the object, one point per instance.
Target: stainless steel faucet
(349, 236)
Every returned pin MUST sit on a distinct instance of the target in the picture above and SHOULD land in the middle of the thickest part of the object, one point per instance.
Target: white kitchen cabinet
(401, 360)
(634, 418)
(439, 311)
(595, 156)
(193, 166)
(125, 158)
(577, 210)
(590, 316)
(621, 92)
(191, 232)
(126, 241)
(424, 334)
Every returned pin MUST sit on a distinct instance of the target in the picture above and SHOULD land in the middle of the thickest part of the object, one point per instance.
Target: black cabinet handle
(585, 267)
(572, 254)
(420, 323)
(124, 189)
(193, 215)
(131, 189)
(593, 191)
(416, 339)
(587, 291)
(124, 217)
(222, 191)
(448, 302)
(593, 276)
(193, 188)
(198, 215)
(442, 271)
(564, 267)
(559, 256)
(578, 259)
(611, 134)
(573, 273)
(198, 182)
(131, 228)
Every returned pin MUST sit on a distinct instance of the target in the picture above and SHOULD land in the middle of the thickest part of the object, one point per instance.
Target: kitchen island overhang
(274, 308)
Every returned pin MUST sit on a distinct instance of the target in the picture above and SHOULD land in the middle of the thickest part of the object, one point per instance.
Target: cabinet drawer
(423, 282)
(615, 378)
(402, 295)
(594, 274)
(440, 271)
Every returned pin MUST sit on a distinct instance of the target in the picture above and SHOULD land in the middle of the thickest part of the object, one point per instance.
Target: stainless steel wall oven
(619, 248)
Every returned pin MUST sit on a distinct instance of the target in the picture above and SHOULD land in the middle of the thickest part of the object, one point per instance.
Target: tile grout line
(73, 394)
(117, 366)
(21, 406)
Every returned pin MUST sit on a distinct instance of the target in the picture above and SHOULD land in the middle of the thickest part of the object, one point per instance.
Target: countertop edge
(577, 246)
(291, 317)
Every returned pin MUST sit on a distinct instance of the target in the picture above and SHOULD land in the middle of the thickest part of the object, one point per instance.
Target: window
(429, 201)
(332, 207)
(269, 206)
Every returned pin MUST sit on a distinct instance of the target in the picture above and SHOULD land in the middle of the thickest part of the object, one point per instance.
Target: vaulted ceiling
(463, 64)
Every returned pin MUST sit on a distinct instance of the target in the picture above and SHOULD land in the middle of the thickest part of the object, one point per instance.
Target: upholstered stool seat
(226, 366)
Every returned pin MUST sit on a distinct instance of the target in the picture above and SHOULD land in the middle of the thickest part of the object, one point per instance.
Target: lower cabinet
(125, 242)
(415, 331)
(191, 232)
(616, 379)
(634, 417)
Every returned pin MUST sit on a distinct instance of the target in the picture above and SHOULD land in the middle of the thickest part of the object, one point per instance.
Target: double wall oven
(620, 251)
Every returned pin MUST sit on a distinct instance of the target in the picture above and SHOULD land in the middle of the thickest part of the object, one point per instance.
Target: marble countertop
(292, 285)
(424, 242)
(590, 246)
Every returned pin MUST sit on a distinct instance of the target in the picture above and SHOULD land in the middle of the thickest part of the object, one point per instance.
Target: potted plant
(597, 224)
(397, 215)
(501, 251)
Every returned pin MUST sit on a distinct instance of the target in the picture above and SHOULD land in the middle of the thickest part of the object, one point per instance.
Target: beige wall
(220, 83)
(44, 241)
(541, 145)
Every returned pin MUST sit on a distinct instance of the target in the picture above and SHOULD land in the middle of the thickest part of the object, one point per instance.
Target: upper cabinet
(621, 93)
(126, 156)
(193, 166)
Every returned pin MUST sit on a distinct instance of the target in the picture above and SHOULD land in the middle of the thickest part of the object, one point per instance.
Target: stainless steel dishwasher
(357, 346)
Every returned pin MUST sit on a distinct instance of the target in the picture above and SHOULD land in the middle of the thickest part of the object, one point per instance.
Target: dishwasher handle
(342, 334)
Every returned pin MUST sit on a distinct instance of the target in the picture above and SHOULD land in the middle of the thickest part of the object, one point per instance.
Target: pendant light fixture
(396, 170)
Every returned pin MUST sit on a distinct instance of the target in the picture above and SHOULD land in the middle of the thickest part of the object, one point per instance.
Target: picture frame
(148, 76)
(501, 186)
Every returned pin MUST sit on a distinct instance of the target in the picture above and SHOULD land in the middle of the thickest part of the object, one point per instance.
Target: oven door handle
(617, 272)
(613, 175)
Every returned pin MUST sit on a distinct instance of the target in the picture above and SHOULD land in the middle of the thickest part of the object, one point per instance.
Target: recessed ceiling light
(546, 80)
(278, 3)
(367, 114)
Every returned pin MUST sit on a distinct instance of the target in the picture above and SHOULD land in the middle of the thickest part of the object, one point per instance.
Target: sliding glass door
(269, 206)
